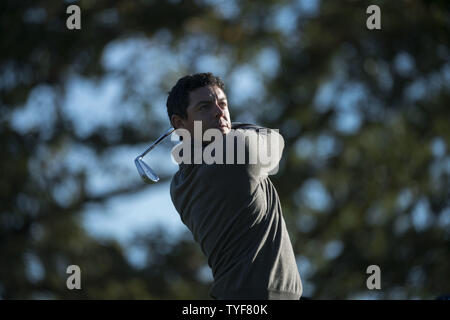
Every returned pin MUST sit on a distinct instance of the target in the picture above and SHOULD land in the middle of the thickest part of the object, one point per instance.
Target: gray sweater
(234, 213)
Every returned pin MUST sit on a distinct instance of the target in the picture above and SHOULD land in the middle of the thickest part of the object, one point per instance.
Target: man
(232, 210)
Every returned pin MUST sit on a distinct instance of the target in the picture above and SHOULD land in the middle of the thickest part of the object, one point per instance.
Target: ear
(177, 121)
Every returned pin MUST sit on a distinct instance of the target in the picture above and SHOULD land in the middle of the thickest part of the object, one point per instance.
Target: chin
(224, 130)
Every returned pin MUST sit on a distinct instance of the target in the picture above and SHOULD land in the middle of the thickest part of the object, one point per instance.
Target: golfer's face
(208, 104)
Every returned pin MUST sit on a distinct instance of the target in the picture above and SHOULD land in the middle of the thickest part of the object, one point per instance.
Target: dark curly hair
(178, 99)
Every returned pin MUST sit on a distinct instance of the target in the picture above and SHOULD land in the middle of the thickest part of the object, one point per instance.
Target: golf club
(147, 173)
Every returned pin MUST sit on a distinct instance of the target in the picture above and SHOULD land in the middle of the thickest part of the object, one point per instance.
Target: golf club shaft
(154, 144)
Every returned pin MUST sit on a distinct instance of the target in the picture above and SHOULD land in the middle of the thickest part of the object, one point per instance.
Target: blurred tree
(365, 175)
(42, 197)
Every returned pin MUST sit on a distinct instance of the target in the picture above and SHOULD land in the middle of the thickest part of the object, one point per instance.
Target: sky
(91, 104)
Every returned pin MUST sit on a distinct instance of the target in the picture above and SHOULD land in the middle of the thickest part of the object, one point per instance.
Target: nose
(219, 110)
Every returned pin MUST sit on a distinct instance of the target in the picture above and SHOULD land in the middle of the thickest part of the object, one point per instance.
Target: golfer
(232, 210)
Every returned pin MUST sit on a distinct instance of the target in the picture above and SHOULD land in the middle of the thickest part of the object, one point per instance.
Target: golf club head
(146, 173)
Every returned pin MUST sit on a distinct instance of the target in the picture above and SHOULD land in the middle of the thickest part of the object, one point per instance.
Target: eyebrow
(208, 101)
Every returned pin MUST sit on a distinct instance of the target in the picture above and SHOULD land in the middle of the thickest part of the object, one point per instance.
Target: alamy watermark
(73, 281)
(374, 20)
(239, 146)
(74, 20)
(374, 281)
